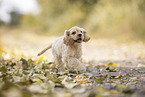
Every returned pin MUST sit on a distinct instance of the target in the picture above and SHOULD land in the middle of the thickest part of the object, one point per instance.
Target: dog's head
(75, 35)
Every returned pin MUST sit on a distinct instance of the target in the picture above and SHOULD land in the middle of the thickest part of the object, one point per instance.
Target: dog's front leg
(59, 64)
(74, 64)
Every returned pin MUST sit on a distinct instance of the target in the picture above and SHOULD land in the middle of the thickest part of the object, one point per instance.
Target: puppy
(67, 50)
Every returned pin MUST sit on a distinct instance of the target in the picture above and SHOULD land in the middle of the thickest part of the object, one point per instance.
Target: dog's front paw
(80, 70)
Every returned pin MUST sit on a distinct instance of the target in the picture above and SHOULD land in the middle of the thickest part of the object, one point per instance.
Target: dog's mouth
(79, 40)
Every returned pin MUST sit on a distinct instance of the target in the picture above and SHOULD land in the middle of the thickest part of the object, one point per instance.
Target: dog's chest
(74, 52)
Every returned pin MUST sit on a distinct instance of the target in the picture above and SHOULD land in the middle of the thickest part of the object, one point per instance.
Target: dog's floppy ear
(86, 35)
(66, 33)
(67, 40)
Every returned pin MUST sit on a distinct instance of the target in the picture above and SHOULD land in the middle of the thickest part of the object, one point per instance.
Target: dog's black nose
(80, 35)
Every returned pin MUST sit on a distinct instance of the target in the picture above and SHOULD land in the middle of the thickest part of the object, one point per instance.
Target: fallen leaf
(99, 80)
(117, 77)
(127, 74)
(40, 59)
(53, 78)
(112, 64)
(69, 83)
(90, 66)
(134, 78)
(81, 80)
(134, 69)
(52, 66)
(136, 82)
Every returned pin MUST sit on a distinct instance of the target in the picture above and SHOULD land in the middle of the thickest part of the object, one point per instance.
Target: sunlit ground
(17, 44)
(114, 68)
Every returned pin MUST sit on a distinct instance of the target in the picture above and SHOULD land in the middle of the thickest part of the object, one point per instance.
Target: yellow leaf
(12, 53)
(100, 90)
(112, 65)
(134, 69)
(121, 80)
(40, 59)
(127, 74)
(136, 82)
(90, 66)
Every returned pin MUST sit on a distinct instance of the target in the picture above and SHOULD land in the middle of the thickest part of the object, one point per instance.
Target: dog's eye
(73, 33)
(81, 31)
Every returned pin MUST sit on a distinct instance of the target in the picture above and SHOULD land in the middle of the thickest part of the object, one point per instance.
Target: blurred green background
(116, 27)
(123, 19)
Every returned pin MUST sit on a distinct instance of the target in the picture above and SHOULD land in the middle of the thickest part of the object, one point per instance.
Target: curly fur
(67, 49)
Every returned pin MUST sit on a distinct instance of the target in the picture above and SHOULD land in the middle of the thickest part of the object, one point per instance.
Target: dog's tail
(44, 50)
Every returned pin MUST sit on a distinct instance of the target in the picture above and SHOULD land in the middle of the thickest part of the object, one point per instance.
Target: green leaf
(99, 80)
(3, 69)
(53, 78)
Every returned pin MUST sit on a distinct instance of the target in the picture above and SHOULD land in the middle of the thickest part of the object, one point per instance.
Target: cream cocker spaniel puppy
(67, 49)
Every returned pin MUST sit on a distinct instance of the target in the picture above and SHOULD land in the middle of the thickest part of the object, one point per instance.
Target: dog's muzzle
(79, 40)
